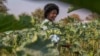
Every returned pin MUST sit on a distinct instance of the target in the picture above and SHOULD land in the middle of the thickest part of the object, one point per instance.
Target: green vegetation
(89, 4)
(9, 22)
(84, 38)
(23, 36)
(3, 8)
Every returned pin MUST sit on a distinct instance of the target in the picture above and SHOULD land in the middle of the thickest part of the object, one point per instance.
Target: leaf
(72, 8)
(35, 37)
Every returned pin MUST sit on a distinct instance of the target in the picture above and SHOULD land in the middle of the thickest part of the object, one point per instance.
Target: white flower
(44, 27)
(50, 23)
(84, 26)
(8, 32)
(45, 21)
(54, 38)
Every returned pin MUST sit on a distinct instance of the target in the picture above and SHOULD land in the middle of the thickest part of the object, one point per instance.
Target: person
(51, 11)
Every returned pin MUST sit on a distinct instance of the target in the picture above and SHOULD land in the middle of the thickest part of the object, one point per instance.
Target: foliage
(10, 22)
(3, 8)
(38, 14)
(72, 8)
(89, 4)
(84, 38)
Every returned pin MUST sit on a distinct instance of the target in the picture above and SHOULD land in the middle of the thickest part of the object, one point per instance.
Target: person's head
(51, 11)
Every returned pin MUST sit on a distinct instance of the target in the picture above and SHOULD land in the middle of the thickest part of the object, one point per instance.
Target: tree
(3, 8)
(38, 13)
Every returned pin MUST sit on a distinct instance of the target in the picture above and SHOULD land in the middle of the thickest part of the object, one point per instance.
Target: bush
(83, 39)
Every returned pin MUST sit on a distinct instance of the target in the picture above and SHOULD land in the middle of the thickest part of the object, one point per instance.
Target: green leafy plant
(76, 39)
